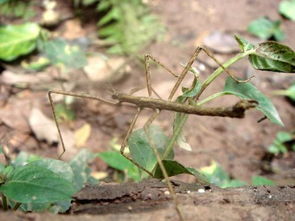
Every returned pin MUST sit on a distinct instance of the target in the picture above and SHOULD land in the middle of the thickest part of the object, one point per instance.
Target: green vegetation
(39, 184)
(287, 9)
(127, 25)
(266, 29)
(16, 8)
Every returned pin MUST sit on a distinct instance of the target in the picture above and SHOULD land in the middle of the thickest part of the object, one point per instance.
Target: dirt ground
(238, 145)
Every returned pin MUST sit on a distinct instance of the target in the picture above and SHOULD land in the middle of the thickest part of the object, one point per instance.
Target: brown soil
(149, 201)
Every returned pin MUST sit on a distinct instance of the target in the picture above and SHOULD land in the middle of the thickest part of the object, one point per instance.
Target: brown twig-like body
(236, 111)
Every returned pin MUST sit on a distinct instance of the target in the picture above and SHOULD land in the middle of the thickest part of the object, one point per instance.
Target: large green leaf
(140, 149)
(64, 170)
(269, 56)
(17, 40)
(61, 168)
(80, 168)
(287, 8)
(31, 184)
(272, 56)
(60, 51)
(264, 28)
(249, 91)
(174, 168)
(115, 160)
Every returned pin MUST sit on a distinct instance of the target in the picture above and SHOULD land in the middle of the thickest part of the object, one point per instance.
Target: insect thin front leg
(124, 143)
(72, 94)
(184, 72)
(210, 54)
(147, 58)
(159, 161)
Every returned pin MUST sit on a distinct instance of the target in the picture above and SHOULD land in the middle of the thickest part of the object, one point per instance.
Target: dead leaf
(14, 114)
(82, 135)
(48, 129)
(181, 141)
(101, 68)
(99, 175)
(11, 78)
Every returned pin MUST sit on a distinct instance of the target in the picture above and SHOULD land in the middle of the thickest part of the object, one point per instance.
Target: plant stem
(176, 133)
(4, 202)
(211, 97)
(220, 70)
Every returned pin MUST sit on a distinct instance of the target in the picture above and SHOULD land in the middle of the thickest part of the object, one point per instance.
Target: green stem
(4, 202)
(175, 135)
(211, 97)
(220, 70)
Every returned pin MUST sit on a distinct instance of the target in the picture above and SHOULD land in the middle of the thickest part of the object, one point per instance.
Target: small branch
(236, 111)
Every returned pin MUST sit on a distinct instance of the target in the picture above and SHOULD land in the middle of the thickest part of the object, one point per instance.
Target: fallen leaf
(100, 68)
(14, 114)
(221, 42)
(48, 130)
(99, 175)
(82, 135)
(9, 77)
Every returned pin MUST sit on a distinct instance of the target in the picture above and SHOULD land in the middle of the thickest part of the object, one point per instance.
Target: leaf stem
(220, 70)
(175, 135)
(211, 97)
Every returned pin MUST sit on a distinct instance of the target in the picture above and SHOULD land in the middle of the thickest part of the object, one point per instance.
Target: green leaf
(272, 56)
(140, 149)
(174, 168)
(287, 8)
(290, 92)
(115, 160)
(64, 112)
(216, 175)
(17, 40)
(278, 144)
(31, 184)
(261, 181)
(265, 29)
(60, 51)
(24, 158)
(37, 65)
(4, 1)
(249, 91)
(61, 168)
(80, 168)
(244, 44)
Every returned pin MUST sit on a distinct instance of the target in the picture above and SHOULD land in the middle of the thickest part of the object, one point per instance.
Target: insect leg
(210, 54)
(147, 58)
(124, 143)
(159, 161)
(72, 94)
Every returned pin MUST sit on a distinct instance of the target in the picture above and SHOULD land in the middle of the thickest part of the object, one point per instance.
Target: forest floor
(238, 145)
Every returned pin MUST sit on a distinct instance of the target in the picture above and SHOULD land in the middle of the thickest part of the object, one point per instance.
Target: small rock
(221, 42)
(100, 68)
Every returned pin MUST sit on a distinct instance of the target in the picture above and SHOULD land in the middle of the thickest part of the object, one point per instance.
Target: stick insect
(158, 104)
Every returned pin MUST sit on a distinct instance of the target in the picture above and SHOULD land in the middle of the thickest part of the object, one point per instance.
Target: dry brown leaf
(82, 135)
(48, 129)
